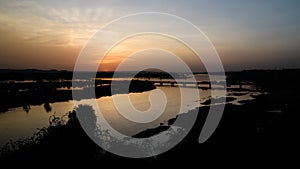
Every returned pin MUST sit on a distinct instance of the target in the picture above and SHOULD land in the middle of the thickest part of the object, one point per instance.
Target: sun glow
(141, 42)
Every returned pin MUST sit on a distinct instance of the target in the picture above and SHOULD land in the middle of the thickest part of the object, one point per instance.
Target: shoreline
(45, 94)
(244, 130)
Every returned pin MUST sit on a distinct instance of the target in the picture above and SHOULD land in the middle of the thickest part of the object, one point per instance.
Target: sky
(246, 34)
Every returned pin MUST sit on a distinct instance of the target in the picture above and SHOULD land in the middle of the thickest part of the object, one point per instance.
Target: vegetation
(259, 133)
(63, 138)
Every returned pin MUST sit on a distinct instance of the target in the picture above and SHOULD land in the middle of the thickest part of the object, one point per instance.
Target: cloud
(48, 24)
(251, 32)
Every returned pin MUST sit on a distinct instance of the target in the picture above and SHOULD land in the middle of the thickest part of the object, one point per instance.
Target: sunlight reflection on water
(16, 123)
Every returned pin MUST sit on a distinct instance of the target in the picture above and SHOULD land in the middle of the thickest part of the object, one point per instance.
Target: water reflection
(19, 123)
(15, 124)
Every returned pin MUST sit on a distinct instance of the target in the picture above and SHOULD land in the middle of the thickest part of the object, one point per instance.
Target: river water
(22, 122)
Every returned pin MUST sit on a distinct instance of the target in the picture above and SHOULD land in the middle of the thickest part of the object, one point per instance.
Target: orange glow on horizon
(141, 42)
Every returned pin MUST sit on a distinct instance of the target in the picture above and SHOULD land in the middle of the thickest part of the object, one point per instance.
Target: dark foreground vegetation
(261, 133)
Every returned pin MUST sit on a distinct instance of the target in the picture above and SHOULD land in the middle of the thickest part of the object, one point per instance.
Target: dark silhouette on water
(26, 108)
(259, 133)
(42, 87)
(47, 107)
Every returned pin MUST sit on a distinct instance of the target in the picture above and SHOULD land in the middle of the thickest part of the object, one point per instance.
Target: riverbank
(260, 133)
(251, 134)
(14, 95)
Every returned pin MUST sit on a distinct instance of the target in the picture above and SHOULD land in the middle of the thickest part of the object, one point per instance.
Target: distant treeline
(265, 75)
(258, 76)
(36, 74)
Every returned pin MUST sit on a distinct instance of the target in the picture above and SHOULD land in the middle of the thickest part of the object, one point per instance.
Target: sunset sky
(246, 34)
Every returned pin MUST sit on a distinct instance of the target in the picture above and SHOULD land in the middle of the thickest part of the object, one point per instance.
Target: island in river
(256, 133)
